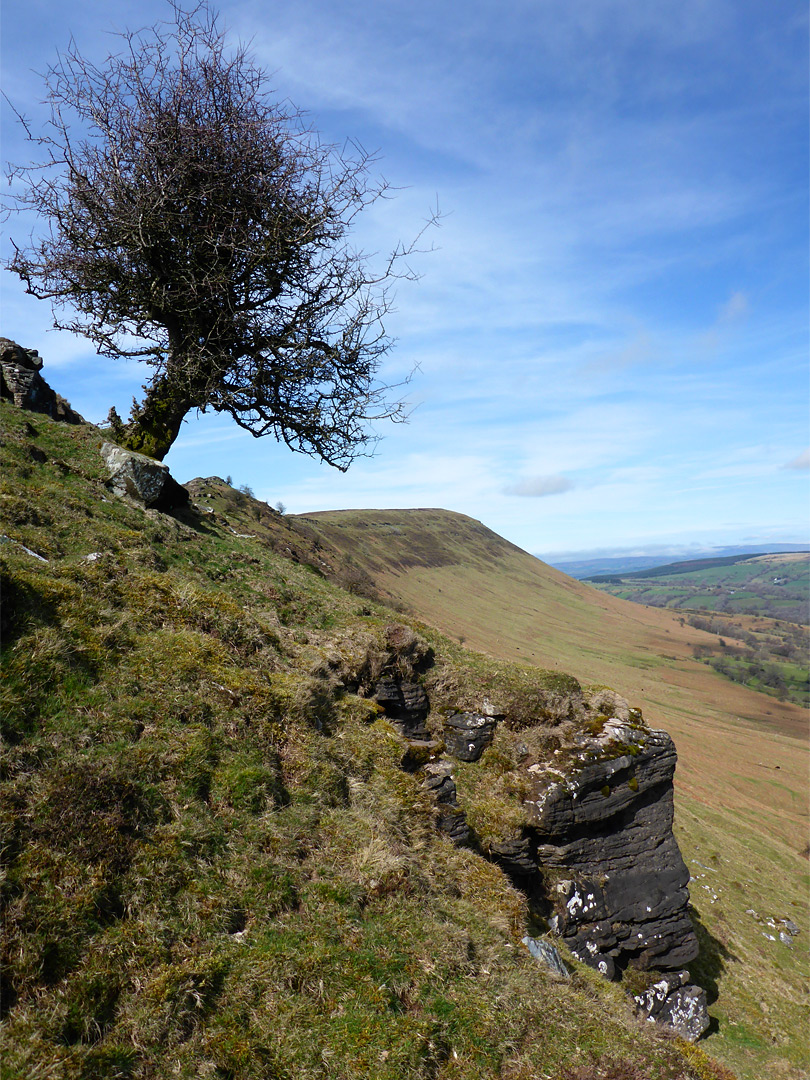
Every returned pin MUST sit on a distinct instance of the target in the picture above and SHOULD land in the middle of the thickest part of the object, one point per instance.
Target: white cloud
(540, 486)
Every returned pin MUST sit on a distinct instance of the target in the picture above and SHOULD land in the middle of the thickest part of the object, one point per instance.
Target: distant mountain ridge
(627, 564)
(692, 565)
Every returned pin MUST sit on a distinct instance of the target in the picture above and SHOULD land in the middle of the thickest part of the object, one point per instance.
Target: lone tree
(198, 225)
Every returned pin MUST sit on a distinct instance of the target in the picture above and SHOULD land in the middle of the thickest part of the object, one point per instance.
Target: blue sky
(611, 337)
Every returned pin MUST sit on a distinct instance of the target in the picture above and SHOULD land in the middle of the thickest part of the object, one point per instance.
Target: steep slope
(221, 845)
(741, 784)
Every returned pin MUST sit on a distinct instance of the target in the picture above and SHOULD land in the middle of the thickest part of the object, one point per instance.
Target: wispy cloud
(734, 309)
(537, 487)
(800, 462)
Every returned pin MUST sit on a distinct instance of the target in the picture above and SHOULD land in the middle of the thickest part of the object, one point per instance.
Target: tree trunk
(155, 424)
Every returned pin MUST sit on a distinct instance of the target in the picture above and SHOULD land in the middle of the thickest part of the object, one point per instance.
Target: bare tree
(200, 226)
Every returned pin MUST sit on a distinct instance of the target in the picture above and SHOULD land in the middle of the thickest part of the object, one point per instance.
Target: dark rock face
(451, 819)
(21, 382)
(142, 479)
(405, 704)
(467, 734)
(605, 828)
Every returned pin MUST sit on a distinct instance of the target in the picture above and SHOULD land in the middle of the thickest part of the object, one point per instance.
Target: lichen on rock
(140, 478)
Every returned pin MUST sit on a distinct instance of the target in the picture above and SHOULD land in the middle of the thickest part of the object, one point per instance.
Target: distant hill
(776, 585)
(586, 568)
(692, 566)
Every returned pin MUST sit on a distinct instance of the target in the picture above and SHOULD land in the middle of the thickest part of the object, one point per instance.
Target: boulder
(676, 1004)
(21, 382)
(142, 479)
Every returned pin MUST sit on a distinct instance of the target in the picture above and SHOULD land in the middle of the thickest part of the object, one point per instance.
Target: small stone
(7, 540)
(547, 954)
(786, 939)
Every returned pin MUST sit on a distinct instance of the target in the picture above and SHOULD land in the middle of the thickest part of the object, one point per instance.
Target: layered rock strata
(405, 704)
(603, 827)
(21, 382)
(450, 819)
(596, 853)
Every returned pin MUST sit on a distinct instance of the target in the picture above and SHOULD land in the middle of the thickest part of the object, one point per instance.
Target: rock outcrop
(21, 382)
(142, 479)
(595, 853)
(599, 831)
(604, 828)
(468, 734)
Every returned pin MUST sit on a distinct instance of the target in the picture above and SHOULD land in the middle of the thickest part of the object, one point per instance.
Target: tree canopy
(197, 224)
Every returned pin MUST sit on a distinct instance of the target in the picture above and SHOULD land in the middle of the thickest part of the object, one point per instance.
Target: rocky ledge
(22, 383)
(602, 827)
(595, 854)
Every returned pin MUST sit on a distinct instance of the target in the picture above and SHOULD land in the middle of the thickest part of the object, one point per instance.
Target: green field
(777, 586)
(759, 602)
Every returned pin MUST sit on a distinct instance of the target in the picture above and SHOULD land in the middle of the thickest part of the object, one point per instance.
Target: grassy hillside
(741, 784)
(215, 864)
